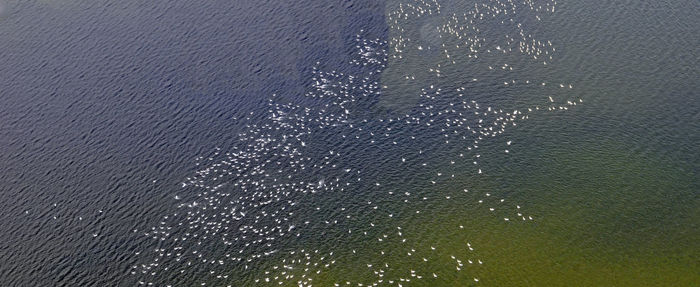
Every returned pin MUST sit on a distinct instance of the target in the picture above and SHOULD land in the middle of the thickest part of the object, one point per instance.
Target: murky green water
(612, 184)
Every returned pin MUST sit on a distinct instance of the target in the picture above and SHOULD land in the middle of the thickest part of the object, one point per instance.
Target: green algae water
(350, 143)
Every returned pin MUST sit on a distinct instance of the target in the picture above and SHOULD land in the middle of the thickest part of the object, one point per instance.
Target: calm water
(108, 107)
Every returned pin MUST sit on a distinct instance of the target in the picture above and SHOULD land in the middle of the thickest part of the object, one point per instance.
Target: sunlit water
(413, 143)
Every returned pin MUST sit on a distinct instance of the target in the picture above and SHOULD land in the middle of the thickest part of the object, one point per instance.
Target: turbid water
(351, 143)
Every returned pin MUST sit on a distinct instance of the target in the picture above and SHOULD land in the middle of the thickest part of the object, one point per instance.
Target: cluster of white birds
(308, 186)
(486, 29)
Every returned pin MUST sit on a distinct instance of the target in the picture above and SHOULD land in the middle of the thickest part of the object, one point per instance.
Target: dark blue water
(105, 106)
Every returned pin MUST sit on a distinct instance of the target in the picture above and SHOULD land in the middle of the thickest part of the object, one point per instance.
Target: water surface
(106, 107)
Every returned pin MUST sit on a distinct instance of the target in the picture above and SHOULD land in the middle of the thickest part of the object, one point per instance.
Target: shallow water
(107, 107)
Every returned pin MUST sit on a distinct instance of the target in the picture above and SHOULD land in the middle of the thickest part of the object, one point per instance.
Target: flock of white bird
(295, 198)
